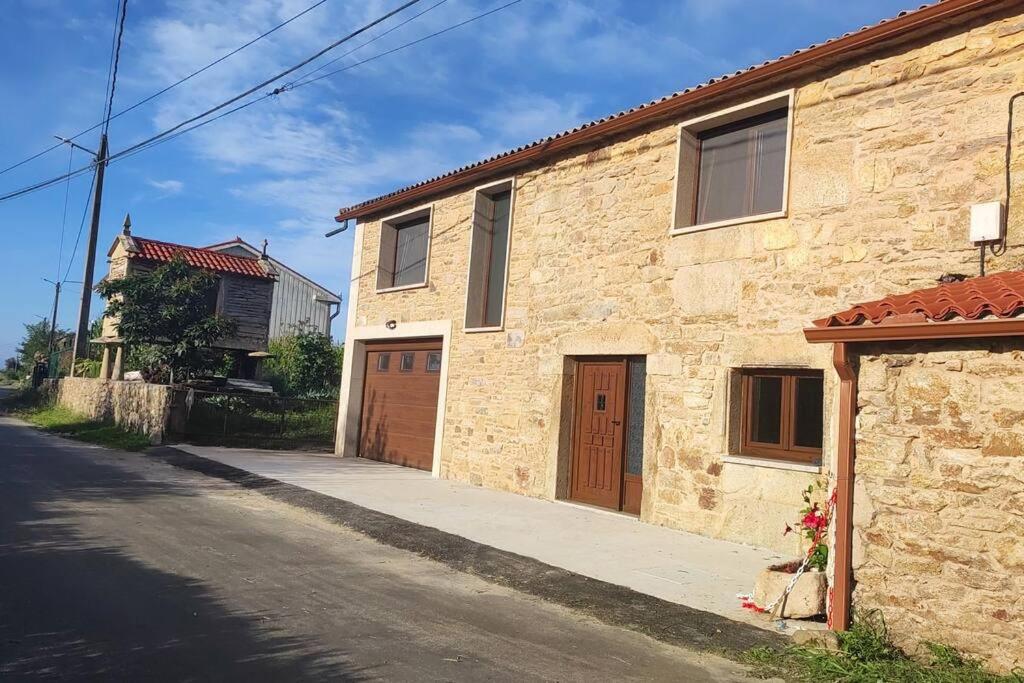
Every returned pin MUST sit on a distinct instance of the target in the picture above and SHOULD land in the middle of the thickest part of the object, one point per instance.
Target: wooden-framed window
(782, 414)
(733, 165)
(741, 168)
(489, 256)
(404, 251)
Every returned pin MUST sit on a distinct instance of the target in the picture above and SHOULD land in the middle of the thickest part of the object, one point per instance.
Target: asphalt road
(118, 567)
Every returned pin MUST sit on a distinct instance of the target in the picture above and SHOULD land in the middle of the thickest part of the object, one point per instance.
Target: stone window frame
(495, 186)
(389, 222)
(684, 188)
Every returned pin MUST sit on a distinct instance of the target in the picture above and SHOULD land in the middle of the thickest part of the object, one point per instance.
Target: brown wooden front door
(400, 402)
(596, 476)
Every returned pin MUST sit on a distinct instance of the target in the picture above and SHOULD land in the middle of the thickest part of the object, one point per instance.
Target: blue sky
(281, 168)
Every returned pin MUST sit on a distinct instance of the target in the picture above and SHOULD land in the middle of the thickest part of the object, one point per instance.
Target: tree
(36, 342)
(304, 364)
(169, 313)
(11, 364)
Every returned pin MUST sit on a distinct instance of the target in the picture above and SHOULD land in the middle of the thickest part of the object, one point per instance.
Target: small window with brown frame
(383, 362)
(782, 414)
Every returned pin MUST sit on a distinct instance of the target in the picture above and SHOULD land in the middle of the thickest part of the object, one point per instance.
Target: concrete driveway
(680, 567)
(116, 566)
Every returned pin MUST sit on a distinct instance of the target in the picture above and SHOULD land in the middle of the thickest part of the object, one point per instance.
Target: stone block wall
(134, 406)
(888, 154)
(939, 495)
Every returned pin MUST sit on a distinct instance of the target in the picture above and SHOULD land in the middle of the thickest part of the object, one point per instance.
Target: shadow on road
(75, 606)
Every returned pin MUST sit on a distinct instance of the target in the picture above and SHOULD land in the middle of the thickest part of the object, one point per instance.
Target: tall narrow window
(404, 249)
(782, 414)
(488, 261)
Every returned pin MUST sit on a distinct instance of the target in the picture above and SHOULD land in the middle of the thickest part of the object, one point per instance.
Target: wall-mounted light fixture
(391, 324)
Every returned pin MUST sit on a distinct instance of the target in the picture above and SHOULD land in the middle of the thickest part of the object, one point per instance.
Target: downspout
(843, 561)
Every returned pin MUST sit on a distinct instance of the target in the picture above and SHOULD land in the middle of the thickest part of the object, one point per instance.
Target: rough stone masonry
(888, 153)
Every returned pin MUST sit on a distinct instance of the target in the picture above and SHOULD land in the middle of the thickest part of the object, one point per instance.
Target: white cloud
(167, 187)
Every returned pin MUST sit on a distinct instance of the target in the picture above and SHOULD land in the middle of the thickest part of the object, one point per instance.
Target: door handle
(616, 422)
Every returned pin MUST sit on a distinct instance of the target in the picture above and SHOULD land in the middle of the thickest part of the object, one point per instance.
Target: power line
(180, 128)
(409, 44)
(64, 215)
(81, 226)
(117, 60)
(274, 78)
(169, 87)
(372, 40)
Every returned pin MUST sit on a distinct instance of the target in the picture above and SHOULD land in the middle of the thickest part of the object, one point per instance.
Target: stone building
(930, 471)
(244, 293)
(614, 315)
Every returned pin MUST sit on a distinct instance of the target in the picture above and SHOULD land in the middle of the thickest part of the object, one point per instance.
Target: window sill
(790, 465)
(388, 290)
(474, 330)
(726, 223)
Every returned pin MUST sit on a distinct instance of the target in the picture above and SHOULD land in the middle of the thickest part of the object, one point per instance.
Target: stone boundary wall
(938, 517)
(134, 406)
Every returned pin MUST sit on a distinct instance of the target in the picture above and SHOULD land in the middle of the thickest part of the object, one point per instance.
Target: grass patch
(866, 655)
(62, 421)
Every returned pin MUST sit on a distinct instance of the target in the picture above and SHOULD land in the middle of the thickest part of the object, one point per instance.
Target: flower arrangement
(812, 525)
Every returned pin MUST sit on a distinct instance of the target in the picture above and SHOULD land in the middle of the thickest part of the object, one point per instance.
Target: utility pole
(82, 332)
(53, 317)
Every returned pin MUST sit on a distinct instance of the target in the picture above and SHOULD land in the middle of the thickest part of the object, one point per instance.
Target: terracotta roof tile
(208, 259)
(1000, 295)
(354, 209)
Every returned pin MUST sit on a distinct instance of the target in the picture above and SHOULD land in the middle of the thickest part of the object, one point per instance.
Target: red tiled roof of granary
(208, 259)
(924, 17)
(1000, 295)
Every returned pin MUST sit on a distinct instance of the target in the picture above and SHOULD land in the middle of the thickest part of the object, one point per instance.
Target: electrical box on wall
(987, 222)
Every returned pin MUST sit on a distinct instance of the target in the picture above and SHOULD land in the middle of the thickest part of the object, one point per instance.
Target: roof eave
(953, 329)
(930, 16)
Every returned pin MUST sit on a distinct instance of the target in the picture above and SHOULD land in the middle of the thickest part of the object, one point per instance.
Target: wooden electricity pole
(82, 332)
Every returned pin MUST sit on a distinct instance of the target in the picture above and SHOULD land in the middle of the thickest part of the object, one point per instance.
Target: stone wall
(133, 406)
(939, 496)
(888, 153)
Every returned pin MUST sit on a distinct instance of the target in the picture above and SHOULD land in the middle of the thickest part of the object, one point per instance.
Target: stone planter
(807, 599)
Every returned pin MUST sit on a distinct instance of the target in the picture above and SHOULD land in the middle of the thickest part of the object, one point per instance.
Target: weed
(866, 655)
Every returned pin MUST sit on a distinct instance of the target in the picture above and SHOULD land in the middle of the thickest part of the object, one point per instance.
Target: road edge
(615, 605)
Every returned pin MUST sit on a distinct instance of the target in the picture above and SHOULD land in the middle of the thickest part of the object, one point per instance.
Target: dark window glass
(383, 362)
(742, 168)
(766, 407)
(487, 264)
(434, 361)
(411, 252)
(496, 267)
(602, 403)
(408, 361)
(809, 405)
(636, 408)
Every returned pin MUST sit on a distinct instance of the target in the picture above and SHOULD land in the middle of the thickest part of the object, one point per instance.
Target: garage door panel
(400, 405)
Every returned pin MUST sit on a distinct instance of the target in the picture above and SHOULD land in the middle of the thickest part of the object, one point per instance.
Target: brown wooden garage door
(400, 402)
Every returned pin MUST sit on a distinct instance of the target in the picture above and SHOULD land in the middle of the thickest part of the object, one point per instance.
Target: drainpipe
(843, 562)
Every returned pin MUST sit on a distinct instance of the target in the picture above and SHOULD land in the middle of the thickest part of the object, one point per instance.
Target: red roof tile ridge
(999, 295)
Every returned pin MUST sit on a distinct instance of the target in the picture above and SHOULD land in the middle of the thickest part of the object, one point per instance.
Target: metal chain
(830, 508)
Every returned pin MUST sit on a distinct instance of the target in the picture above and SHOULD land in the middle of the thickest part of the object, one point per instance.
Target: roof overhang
(934, 16)
(958, 329)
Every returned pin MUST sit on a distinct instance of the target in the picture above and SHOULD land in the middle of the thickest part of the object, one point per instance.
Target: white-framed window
(733, 165)
(404, 256)
(489, 244)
